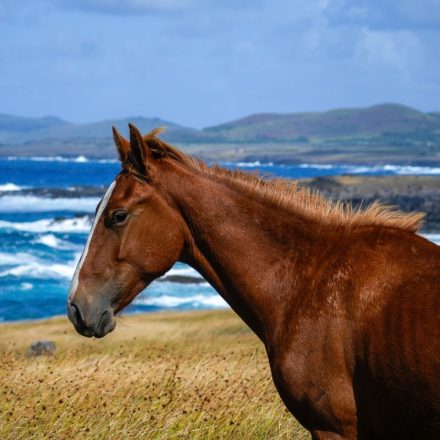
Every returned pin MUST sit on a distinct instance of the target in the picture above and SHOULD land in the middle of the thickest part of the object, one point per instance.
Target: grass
(197, 375)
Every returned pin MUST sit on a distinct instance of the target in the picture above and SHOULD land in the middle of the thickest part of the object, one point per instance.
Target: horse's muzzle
(91, 324)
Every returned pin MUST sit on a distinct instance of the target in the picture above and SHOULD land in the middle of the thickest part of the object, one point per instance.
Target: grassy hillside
(10, 125)
(377, 132)
(17, 130)
(375, 120)
(198, 375)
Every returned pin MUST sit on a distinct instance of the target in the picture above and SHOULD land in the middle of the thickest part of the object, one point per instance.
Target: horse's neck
(251, 252)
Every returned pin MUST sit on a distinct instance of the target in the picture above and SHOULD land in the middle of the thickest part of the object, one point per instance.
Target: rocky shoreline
(53, 193)
(409, 193)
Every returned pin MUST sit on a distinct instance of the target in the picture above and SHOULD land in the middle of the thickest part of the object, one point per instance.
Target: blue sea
(41, 237)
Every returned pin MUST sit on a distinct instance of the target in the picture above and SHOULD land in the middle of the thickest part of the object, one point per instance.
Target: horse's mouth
(102, 326)
(105, 325)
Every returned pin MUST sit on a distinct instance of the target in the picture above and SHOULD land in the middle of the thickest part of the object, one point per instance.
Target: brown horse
(346, 302)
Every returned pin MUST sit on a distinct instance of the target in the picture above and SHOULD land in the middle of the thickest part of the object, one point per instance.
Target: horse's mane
(291, 196)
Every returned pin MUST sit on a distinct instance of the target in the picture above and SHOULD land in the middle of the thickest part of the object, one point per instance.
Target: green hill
(389, 132)
(11, 126)
(16, 130)
(370, 121)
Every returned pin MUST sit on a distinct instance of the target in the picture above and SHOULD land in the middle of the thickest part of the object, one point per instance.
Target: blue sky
(202, 62)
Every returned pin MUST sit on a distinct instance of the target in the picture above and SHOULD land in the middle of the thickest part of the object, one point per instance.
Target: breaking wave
(7, 259)
(70, 225)
(52, 241)
(16, 203)
(10, 187)
(435, 238)
(78, 159)
(183, 271)
(193, 301)
(375, 169)
(40, 270)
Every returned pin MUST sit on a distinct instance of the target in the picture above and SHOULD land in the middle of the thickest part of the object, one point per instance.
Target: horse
(346, 301)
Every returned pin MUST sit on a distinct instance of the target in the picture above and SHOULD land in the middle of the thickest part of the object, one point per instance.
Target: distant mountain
(375, 120)
(385, 130)
(10, 125)
(17, 130)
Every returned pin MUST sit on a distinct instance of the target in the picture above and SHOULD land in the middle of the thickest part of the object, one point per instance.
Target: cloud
(126, 7)
(202, 61)
(136, 7)
(11, 9)
(398, 50)
(386, 14)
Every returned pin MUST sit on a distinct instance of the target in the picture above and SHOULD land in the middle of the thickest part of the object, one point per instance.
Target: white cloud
(202, 61)
(386, 14)
(398, 50)
(136, 7)
(127, 7)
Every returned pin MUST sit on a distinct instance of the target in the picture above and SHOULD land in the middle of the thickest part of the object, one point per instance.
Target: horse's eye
(119, 217)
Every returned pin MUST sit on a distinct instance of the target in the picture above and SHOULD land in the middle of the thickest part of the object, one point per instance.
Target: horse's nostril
(75, 314)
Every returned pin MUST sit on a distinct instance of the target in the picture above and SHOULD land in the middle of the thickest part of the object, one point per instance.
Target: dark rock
(40, 348)
(324, 183)
(408, 193)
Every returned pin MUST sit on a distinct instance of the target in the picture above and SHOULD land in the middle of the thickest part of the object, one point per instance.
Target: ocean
(44, 223)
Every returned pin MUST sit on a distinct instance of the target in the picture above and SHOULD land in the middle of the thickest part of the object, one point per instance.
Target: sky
(203, 62)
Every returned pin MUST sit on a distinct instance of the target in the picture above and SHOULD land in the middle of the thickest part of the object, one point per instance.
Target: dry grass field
(195, 375)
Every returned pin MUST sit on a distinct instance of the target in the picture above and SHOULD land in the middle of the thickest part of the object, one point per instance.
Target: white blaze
(104, 201)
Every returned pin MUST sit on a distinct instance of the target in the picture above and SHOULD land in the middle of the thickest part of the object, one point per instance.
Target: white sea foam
(7, 259)
(49, 240)
(184, 271)
(10, 187)
(70, 225)
(316, 166)
(409, 169)
(433, 237)
(243, 164)
(78, 159)
(40, 270)
(13, 203)
(54, 242)
(353, 169)
(254, 164)
(26, 286)
(388, 168)
(29, 266)
(169, 301)
(363, 169)
(106, 160)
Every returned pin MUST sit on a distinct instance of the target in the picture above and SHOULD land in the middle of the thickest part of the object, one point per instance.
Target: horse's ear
(122, 145)
(138, 150)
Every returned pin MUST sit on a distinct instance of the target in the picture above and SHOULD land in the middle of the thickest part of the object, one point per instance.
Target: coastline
(246, 151)
(407, 192)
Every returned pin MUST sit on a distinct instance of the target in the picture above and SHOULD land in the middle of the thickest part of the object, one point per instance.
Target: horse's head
(136, 237)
